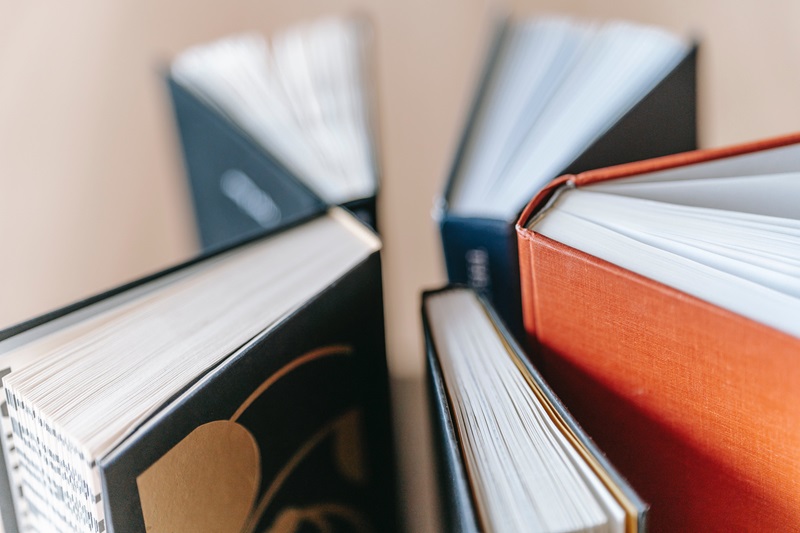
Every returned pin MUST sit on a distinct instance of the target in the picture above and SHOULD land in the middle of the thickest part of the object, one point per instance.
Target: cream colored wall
(91, 190)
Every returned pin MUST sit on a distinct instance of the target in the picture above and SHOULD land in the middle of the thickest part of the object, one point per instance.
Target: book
(662, 298)
(243, 391)
(510, 456)
(557, 96)
(273, 130)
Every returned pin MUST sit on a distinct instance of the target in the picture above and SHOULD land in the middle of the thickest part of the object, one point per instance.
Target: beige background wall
(91, 189)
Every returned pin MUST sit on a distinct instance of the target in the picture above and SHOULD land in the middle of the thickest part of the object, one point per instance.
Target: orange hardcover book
(662, 300)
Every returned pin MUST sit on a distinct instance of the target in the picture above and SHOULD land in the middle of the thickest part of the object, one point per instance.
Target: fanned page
(731, 241)
(145, 343)
(525, 473)
(558, 86)
(304, 96)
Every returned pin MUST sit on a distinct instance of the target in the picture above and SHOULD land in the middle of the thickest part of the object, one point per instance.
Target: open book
(663, 298)
(558, 96)
(272, 128)
(511, 458)
(237, 393)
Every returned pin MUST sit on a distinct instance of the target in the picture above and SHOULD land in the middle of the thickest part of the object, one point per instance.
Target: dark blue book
(539, 113)
(238, 189)
(249, 385)
(268, 136)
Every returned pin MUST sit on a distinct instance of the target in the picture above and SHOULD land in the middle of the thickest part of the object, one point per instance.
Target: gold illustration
(209, 482)
(346, 462)
(319, 353)
(349, 448)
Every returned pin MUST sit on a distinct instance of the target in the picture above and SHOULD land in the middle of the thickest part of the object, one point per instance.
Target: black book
(509, 455)
(556, 97)
(242, 391)
(272, 131)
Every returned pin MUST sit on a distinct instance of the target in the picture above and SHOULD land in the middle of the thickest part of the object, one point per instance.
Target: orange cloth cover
(698, 407)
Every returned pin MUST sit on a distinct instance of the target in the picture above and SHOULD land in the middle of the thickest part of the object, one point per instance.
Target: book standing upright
(556, 96)
(510, 456)
(242, 391)
(272, 130)
(662, 300)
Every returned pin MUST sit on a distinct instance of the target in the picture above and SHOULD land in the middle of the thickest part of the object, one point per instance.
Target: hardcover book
(510, 456)
(244, 391)
(557, 96)
(662, 297)
(274, 130)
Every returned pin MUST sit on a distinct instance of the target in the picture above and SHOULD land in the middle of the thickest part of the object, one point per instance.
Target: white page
(746, 263)
(537, 57)
(149, 349)
(602, 73)
(304, 98)
(525, 474)
(782, 160)
(772, 194)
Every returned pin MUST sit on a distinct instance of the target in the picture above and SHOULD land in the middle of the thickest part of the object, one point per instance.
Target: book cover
(481, 251)
(290, 431)
(298, 404)
(693, 403)
(238, 189)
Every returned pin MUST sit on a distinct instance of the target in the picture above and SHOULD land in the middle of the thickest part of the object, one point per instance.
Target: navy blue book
(556, 96)
(242, 391)
(238, 189)
(273, 130)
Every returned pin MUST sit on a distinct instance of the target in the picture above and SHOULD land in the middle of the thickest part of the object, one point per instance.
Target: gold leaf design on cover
(209, 481)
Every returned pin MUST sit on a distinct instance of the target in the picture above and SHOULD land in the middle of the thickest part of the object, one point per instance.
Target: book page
(782, 160)
(558, 87)
(524, 472)
(283, 271)
(304, 96)
(744, 262)
(770, 194)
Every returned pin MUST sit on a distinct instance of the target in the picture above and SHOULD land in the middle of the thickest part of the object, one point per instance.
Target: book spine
(482, 254)
(238, 189)
(454, 492)
(59, 480)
